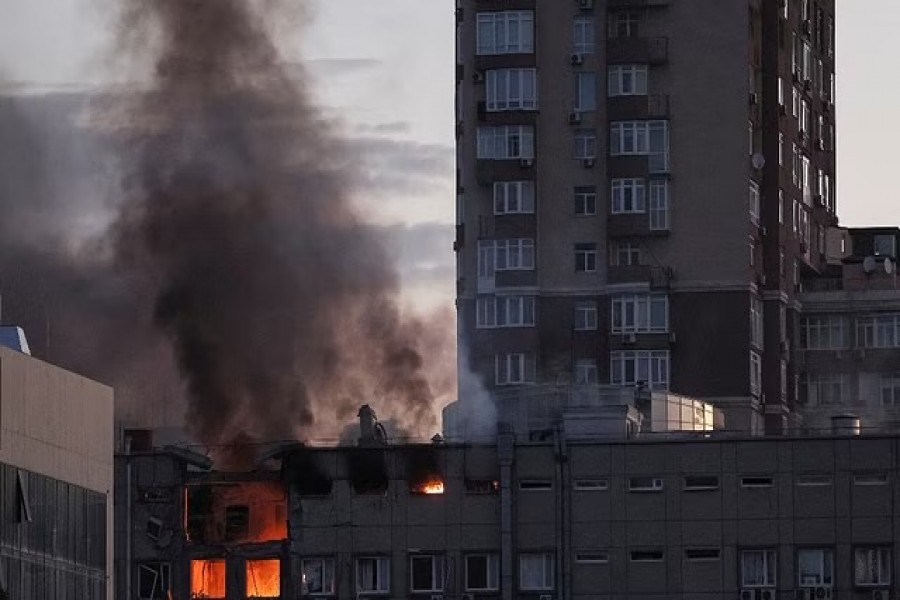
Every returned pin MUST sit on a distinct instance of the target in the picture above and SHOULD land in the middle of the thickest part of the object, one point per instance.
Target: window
(591, 485)
(585, 92)
(536, 571)
(263, 578)
(515, 368)
(780, 147)
(584, 36)
(878, 331)
(208, 578)
(823, 332)
(586, 372)
(754, 202)
(755, 373)
(646, 555)
(646, 138)
(505, 255)
(701, 483)
(640, 313)
(890, 389)
(872, 478)
(645, 484)
(781, 207)
(872, 566)
(318, 576)
(511, 89)
(513, 197)
(506, 32)
(625, 254)
(826, 389)
(628, 196)
(482, 572)
(757, 482)
(535, 485)
(505, 142)
(586, 257)
(627, 80)
(702, 554)
(624, 24)
(592, 558)
(585, 143)
(373, 575)
(649, 367)
(482, 486)
(756, 321)
(758, 568)
(586, 200)
(155, 581)
(815, 567)
(659, 205)
(505, 311)
(426, 573)
(814, 481)
(885, 245)
(585, 316)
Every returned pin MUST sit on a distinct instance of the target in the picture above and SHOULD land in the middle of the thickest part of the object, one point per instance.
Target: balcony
(632, 225)
(658, 278)
(626, 108)
(652, 51)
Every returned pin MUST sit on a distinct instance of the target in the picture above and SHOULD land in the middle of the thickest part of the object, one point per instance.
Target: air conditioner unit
(584, 5)
(576, 59)
(754, 98)
(629, 338)
(821, 593)
(478, 77)
(589, 163)
(575, 118)
(526, 163)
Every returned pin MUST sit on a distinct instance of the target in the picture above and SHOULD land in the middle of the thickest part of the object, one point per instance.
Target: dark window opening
(154, 581)
(482, 486)
(237, 522)
(757, 481)
(368, 473)
(701, 482)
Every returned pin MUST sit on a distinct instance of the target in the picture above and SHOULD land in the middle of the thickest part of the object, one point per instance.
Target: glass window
(585, 92)
(628, 196)
(758, 568)
(586, 372)
(625, 254)
(585, 143)
(872, 566)
(584, 35)
(585, 257)
(536, 571)
(648, 367)
(627, 80)
(659, 205)
(515, 368)
(505, 142)
(511, 89)
(513, 197)
(482, 572)
(586, 200)
(426, 573)
(754, 203)
(640, 313)
(624, 24)
(505, 32)
(155, 581)
(885, 245)
(373, 575)
(317, 576)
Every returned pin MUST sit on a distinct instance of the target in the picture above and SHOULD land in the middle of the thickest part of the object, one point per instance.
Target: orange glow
(237, 512)
(207, 579)
(429, 486)
(264, 578)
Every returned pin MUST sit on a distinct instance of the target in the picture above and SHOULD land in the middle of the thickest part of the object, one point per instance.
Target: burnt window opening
(368, 472)
(154, 528)
(154, 581)
(423, 471)
(208, 578)
(199, 507)
(306, 476)
(237, 522)
(264, 578)
(482, 486)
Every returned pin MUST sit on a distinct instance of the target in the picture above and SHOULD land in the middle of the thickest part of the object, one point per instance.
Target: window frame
(492, 571)
(585, 92)
(654, 361)
(438, 573)
(884, 558)
(586, 257)
(770, 560)
(584, 311)
(323, 561)
(164, 572)
(824, 573)
(497, 142)
(511, 89)
(635, 75)
(585, 200)
(522, 20)
(548, 574)
(634, 312)
(524, 192)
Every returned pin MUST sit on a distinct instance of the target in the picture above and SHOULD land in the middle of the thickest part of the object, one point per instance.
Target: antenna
(869, 264)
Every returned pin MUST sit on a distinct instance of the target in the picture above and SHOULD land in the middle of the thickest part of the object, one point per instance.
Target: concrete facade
(722, 80)
(56, 443)
(693, 519)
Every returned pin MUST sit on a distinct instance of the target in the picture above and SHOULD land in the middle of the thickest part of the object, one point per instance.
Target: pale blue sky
(385, 71)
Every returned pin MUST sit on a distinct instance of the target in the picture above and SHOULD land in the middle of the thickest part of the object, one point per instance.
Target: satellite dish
(869, 264)
(888, 266)
(759, 161)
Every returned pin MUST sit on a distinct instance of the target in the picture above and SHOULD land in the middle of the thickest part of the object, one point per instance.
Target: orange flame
(264, 578)
(207, 579)
(430, 486)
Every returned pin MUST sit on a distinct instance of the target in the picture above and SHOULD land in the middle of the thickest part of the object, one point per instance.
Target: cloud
(423, 251)
(390, 165)
(341, 66)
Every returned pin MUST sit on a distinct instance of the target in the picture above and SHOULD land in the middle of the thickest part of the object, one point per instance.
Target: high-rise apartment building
(642, 186)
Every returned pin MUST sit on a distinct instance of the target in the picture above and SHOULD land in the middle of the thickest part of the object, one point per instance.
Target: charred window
(208, 578)
(264, 578)
(237, 522)
(154, 581)
(482, 486)
(368, 472)
(236, 512)
(423, 471)
(306, 476)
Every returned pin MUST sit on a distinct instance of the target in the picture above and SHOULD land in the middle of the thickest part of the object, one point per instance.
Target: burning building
(698, 516)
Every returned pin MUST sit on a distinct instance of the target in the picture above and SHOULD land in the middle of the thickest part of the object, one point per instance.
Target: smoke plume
(237, 252)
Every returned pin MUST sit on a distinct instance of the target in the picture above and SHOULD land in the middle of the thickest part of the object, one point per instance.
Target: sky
(384, 76)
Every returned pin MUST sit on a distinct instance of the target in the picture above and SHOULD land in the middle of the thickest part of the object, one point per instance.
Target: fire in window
(208, 579)
(264, 578)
